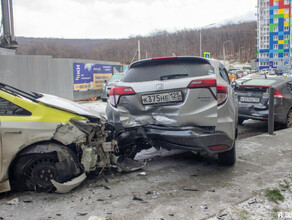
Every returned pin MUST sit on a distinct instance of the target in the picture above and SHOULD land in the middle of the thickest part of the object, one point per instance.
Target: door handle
(13, 132)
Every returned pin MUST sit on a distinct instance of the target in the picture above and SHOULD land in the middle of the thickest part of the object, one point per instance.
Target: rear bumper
(186, 138)
(251, 112)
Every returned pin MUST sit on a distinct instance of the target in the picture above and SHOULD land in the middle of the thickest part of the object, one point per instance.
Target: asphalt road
(174, 185)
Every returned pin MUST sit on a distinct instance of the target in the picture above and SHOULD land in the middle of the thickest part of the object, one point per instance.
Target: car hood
(67, 105)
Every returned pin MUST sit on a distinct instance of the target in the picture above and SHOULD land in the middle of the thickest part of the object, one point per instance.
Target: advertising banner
(88, 76)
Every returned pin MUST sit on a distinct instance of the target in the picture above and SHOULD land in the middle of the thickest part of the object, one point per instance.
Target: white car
(175, 102)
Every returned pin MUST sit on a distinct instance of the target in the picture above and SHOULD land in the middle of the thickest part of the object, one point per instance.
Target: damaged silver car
(175, 102)
(48, 143)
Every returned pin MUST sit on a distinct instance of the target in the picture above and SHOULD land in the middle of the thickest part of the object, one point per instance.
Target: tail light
(219, 92)
(117, 92)
(222, 94)
(277, 94)
(164, 58)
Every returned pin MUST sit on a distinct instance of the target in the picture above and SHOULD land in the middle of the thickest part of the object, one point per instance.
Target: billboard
(88, 76)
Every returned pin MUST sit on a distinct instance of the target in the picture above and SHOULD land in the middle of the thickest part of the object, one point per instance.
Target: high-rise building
(274, 34)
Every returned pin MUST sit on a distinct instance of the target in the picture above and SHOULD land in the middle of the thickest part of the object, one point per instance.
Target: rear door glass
(259, 82)
(168, 70)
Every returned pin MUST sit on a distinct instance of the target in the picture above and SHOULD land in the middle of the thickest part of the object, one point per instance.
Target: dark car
(110, 84)
(253, 99)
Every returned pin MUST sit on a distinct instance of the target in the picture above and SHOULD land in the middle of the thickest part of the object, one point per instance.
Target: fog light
(218, 147)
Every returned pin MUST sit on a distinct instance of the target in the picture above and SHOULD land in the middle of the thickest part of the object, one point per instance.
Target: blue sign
(88, 76)
(207, 55)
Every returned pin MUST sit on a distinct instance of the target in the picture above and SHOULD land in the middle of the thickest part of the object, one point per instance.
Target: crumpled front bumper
(68, 186)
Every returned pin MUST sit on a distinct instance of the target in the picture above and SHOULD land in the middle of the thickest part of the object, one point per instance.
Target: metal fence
(44, 74)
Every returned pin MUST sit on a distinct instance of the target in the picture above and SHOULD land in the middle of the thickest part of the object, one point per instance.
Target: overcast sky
(122, 18)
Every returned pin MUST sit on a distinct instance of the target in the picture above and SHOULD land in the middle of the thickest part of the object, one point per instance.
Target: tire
(227, 158)
(240, 121)
(288, 123)
(129, 152)
(34, 172)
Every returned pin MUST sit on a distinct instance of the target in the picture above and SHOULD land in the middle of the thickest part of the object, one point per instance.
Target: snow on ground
(271, 203)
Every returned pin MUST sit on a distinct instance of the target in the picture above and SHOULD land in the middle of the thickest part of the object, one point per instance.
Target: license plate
(162, 98)
(250, 99)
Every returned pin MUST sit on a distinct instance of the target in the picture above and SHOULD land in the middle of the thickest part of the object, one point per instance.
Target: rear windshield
(259, 82)
(116, 77)
(168, 70)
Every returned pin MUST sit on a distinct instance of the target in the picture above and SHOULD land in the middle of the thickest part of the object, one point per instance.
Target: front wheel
(35, 169)
(227, 158)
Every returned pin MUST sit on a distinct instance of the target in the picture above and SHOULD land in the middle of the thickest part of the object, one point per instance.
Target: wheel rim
(41, 172)
(289, 120)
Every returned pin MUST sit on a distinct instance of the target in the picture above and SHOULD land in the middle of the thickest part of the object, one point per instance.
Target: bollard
(271, 111)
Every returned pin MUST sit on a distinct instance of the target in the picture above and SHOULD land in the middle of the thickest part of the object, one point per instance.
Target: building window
(275, 63)
(275, 46)
(285, 54)
(275, 3)
(286, 46)
(275, 37)
(286, 28)
(275, 55)
(286, 37)
(275, 11)
(286, 2)
(286, 10)
(275, 29)
(276, 20)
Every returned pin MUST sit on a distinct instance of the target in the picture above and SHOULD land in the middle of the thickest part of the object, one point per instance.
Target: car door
(11, 132)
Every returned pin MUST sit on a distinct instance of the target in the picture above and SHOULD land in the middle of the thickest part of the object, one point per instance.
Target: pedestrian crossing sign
(207, 55)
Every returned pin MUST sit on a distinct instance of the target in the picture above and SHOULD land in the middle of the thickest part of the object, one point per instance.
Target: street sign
(207, 55)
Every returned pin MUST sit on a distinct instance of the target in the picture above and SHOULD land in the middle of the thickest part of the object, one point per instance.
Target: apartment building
(274, 34)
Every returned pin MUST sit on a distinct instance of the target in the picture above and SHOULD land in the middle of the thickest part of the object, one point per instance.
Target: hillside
(160, 43)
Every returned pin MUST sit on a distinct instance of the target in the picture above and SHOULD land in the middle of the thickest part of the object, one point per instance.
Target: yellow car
(48, 143)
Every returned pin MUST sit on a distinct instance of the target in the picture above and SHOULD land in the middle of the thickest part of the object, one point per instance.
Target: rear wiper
(173, 76)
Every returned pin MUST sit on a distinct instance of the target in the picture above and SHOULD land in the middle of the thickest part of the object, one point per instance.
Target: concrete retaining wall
(44, 74)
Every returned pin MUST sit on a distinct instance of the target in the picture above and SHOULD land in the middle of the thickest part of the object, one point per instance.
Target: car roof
(173, 58)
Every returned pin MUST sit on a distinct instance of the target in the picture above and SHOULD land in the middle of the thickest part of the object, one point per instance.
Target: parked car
(48, 143)
(175, 102)
(110, 84)
(278, 72)
(253, 99)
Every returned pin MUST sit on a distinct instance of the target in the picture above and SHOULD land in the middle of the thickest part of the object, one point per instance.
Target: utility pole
(239, 52)
(139, 50)
(201, 36)
(224, 50)
(8, 38)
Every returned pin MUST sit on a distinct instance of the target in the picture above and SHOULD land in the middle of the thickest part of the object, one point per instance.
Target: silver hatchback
(175, 102)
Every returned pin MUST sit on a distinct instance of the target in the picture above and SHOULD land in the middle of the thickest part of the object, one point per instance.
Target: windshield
(116, 77)
(168, 70)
